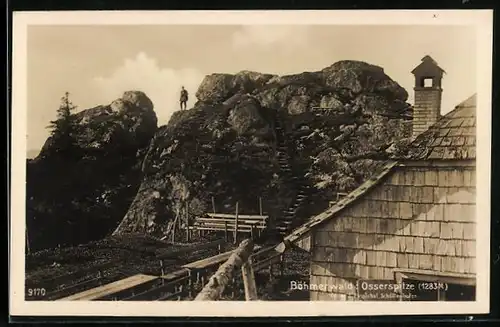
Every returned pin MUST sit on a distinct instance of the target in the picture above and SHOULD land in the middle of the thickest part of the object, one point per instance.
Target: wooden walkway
(109, 289)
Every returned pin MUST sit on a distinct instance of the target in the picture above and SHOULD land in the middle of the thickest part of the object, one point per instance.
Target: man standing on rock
(184, 97)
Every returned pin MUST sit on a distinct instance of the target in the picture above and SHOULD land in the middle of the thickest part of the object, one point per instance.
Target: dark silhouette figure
(184, 98)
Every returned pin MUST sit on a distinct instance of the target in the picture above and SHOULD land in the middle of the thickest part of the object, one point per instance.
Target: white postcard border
(482, 20)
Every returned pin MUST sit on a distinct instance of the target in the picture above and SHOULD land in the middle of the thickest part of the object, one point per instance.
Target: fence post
(225, 230)
(249, 281)
(271, 276)
(190, 283)
(187, 223)
(282, 265)
(213, 204)
(173, 231)
(179, 220)
(27, 242)
(233, 288)
(260, 205)
(180, 291)
(236, 225)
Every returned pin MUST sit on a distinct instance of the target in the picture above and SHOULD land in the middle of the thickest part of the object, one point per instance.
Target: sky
(97, 63)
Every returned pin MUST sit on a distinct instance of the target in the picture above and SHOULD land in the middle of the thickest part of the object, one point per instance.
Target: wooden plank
(207, 262)
(225, 215)
(84, 285)
(218, 228)
(176, 274)
(232, 226)
(224, 275)
(110, 288)
(249, 281)
(157, 291)
(229, 220)
(185, 249)
(229, 223)
(177, 294)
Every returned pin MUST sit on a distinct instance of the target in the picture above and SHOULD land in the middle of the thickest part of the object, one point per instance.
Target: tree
(64, 128)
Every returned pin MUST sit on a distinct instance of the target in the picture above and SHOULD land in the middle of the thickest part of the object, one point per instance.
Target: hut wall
(417, 218)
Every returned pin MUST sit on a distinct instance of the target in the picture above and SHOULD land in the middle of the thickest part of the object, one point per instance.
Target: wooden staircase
(293, 180)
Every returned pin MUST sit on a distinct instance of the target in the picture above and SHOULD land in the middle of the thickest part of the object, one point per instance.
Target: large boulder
(81, 194)
(358, 77)
(216, 88)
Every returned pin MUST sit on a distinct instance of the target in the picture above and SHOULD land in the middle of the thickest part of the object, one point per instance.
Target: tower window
(427, 82)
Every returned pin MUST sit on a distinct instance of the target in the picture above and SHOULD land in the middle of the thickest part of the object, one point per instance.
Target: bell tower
(428, 91)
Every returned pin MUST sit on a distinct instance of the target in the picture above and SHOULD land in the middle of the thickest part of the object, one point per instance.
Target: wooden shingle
(445, 139)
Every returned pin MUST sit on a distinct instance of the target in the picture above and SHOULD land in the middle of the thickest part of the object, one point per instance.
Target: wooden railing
(223, 277)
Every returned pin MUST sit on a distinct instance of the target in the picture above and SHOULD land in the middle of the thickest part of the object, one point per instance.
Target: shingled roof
(453, 137)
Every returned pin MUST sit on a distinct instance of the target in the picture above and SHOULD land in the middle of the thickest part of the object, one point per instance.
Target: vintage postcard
(253, 161)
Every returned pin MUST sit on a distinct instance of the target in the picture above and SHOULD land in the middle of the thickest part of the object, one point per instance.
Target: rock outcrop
(82, 195)
(335, 125)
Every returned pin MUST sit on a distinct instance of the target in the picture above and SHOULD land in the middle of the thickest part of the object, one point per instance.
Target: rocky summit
(81, 196)
(295, 141)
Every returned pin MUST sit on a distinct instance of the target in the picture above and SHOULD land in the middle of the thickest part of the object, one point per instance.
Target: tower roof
(427, 65)
(451, 137)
